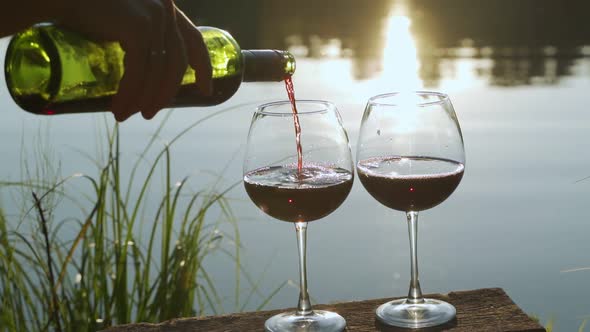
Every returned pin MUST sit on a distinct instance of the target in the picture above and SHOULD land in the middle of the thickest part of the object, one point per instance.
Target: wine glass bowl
(271, 175)
(410, 158)
(298, 181)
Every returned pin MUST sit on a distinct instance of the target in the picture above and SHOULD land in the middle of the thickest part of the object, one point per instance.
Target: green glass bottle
(50, 70)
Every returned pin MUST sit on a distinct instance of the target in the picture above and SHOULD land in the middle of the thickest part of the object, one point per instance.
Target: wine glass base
(318, 320)
(402, 313)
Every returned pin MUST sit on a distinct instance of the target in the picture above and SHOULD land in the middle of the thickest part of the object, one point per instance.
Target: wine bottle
(50, 70)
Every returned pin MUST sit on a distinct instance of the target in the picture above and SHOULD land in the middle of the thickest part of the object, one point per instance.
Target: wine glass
(411, 158)
(299, 176)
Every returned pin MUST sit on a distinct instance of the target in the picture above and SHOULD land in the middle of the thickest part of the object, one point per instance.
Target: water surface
(519, 220)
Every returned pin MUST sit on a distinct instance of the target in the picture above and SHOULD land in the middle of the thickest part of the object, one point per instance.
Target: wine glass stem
(415, 293)
(304, 305)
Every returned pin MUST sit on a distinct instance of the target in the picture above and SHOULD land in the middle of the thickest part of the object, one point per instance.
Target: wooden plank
(481, 310)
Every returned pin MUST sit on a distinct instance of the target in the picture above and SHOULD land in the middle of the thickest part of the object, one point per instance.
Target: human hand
(159, 42)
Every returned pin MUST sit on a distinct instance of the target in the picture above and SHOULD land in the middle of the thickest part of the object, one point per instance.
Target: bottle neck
(267, 65)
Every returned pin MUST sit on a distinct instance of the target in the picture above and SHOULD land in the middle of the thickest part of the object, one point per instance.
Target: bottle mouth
(290, 63)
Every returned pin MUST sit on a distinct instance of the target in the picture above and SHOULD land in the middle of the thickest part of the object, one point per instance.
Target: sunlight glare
(400, 58)
(408, 119)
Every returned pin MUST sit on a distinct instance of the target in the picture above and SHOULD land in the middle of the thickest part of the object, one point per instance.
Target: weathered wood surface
(479, 310)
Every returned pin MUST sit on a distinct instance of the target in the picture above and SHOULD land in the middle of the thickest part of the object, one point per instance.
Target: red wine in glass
(289, 194)
(410, 183)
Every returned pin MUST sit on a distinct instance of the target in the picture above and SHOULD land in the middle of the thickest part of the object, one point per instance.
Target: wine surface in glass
(287, 194)
(410, 183)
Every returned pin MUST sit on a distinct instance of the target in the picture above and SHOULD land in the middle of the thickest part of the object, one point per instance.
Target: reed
(133, 257)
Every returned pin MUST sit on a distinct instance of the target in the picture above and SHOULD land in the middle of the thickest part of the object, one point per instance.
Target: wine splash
(291, 94)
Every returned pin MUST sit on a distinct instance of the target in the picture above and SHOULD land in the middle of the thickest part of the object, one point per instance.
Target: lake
(519, 220)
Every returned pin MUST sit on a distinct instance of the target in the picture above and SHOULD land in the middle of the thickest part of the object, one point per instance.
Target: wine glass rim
(443, 98)
(261, 109)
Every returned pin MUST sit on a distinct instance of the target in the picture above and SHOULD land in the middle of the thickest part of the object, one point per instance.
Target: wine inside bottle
(50, 70)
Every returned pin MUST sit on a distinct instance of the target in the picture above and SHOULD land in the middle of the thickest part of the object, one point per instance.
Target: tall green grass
(129, 257)
(549, 325)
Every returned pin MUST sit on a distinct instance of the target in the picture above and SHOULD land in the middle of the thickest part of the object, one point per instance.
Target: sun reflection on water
(401, 66)
(395, 55)
(400, 57)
